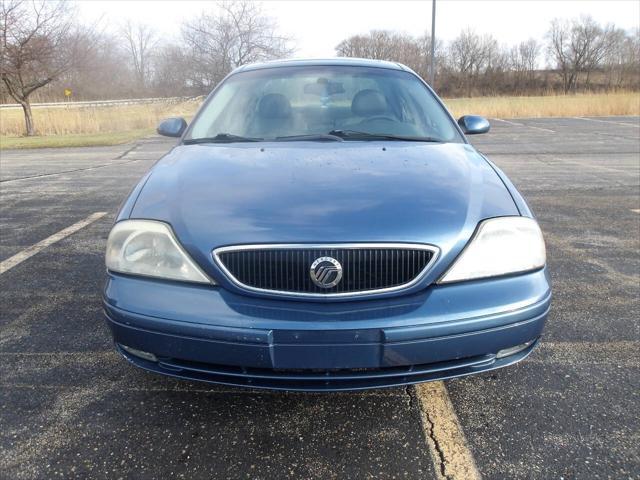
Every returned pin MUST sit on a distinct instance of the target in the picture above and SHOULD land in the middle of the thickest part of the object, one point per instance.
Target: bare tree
(622, 60)
(630, 59)
(528, 53)
(471, 55)
(578, 46)
(615, 61)
(523, 62)
(424, 43)
(558, 49)
(376, 45)
(174, 72)
(140, 40)
(390, 46)
(40, 42)
(465, 52)
(240, 33)
(105, 74)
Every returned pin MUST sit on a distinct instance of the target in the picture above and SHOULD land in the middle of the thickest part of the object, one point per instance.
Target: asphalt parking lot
(71, 407)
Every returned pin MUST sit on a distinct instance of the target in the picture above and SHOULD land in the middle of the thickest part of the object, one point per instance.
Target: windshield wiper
(222, 138)
(357, 135)
(310, 137)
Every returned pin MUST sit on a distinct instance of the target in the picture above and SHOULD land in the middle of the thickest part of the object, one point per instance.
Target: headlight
(147, 247)
(500, 246)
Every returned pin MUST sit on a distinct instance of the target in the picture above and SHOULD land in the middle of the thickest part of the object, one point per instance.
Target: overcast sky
(318, 26)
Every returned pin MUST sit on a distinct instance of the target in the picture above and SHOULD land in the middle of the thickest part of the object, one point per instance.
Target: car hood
(298, 192)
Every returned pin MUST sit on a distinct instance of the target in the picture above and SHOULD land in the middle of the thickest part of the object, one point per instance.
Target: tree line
(575, 55)
(45, 50)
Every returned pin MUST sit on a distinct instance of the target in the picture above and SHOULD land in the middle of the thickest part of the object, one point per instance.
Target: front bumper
(211, 334)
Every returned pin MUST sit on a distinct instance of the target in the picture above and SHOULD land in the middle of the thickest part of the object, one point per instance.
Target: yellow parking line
(41, 245)
(448, 446)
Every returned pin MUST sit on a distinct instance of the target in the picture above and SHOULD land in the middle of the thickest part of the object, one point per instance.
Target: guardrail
(103, 103)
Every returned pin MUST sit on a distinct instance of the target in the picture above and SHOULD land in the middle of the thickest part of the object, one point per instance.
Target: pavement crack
(441, 460)
(93, 167)
(450, 454)
(126, 152)
(412, 401)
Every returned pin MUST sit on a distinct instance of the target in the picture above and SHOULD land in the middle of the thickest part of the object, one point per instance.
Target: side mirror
(474, 124)
(172, 127)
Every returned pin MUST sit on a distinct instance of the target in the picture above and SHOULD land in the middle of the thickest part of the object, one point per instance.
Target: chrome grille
(366, 268)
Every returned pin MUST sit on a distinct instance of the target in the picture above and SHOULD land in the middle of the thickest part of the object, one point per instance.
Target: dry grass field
(94, 120)
(580, 105)
(74, 139)
(108, 125)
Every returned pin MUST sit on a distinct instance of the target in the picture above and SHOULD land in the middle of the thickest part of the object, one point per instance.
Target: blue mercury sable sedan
(325, 225)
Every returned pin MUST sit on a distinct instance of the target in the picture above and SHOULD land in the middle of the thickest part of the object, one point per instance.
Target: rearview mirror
(172, 127)
(323, 87)
(474, 124)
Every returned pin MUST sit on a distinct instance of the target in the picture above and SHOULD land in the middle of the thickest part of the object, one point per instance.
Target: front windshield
(303, 102)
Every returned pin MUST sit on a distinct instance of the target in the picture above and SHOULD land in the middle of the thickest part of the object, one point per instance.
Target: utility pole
(433, 43)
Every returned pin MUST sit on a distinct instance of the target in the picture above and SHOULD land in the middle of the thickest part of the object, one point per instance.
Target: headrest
(274, 105)
(367, 103)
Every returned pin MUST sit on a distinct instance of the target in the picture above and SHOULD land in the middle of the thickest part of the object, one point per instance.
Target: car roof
(346, 61)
